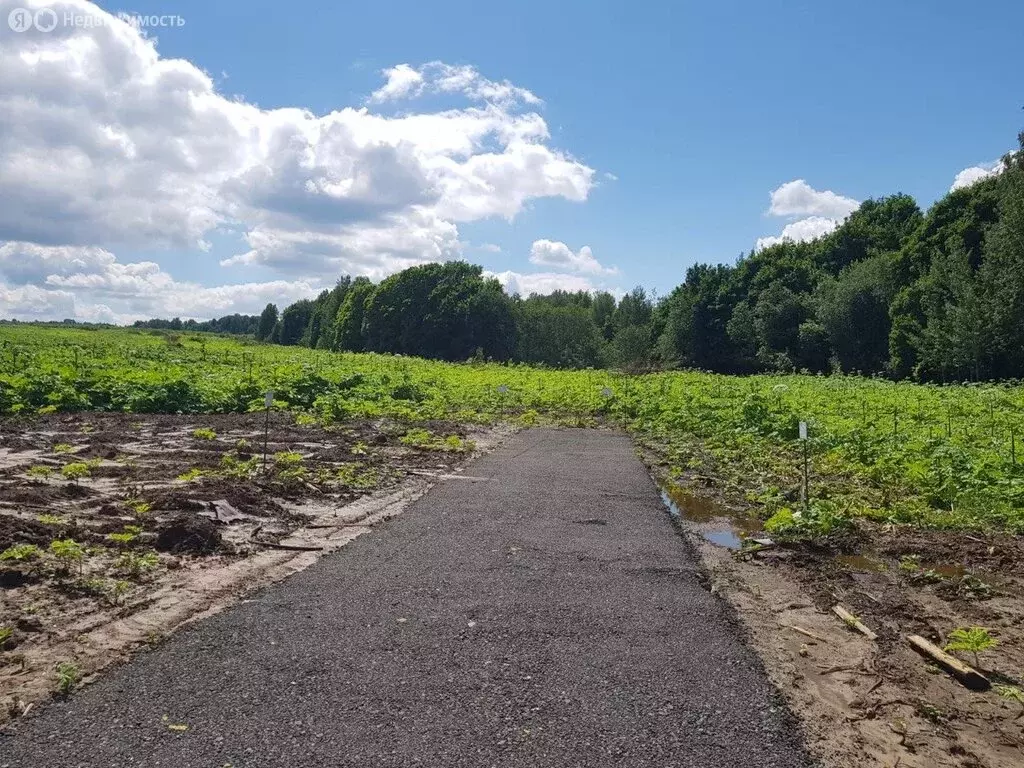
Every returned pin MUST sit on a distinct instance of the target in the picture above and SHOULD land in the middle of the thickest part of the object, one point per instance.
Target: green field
(937, 456)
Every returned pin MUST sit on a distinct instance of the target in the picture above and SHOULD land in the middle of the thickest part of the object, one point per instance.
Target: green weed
(75, 472)
(973, 640)
(40, 472)
(68, 553)
(68, 677)
(20, 553)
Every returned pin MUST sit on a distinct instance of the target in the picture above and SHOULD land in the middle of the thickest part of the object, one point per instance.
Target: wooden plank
(967, 675)
(805, 632)
(852, 621)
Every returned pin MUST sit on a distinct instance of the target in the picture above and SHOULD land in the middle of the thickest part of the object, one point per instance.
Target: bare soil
(877, 703)
(196, 521)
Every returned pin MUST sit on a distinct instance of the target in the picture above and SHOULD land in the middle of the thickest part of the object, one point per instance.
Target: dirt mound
(177, 501)
(14, 530)
(189, 534)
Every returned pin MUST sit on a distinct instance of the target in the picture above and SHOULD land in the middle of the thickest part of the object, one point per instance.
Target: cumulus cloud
(800, 231)
(402, 81)
(541, 282)
(821, 212)
(976, 173)
(551, 253)
(406, 82)
(105, 144)
(90, 284)
(798, 198)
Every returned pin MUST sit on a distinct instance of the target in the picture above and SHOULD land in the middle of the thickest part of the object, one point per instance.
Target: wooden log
(967, 675)
(805, 633)
(852, 621)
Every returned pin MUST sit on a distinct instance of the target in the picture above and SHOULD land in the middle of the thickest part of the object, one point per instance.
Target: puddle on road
(717, 524)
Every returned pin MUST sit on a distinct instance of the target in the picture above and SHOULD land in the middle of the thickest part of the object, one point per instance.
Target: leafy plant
(127, 536)
(288, 466)
(63, 448)
(135, 564)
(973, 640)
(40, 472)
(68, 552)
(118, 590)
(75, 471)
(193, 474)
(418, 438)
(235, 468)
(138, 506)
(68, 677)
(52, 519)
(5, 634)
(204, 433)
(821, 519)
(1011, 693)
(422, 438)
(20, 553)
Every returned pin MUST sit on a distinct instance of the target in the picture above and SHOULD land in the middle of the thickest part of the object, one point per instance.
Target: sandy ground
(876, 702)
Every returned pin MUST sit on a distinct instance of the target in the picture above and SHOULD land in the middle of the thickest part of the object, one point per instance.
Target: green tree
(558, 334)
(777, 318)
(445, 311)
(1002, 270)
(294, 321)
(602, 310)
(854, 310)
(349, 334)
(957, 338)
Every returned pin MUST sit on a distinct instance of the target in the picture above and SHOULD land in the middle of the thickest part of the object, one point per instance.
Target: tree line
(242, 325)
(894, 291)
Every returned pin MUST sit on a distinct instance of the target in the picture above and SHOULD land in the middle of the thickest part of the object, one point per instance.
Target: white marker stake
(804, 489)
(268, 401)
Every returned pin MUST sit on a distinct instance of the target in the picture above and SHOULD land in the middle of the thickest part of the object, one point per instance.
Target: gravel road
(542, 612)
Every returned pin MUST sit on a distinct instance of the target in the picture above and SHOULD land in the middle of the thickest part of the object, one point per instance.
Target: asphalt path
(542, 612)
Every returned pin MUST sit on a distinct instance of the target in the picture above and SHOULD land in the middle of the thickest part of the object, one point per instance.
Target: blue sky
(685, 115)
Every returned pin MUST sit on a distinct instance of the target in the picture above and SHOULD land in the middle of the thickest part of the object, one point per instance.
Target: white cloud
(551, 253)
(24, 263)
(35, 303)
(976, 173)
(405, 82)
(798, 198)
(490, 247)
(90, 284)
(541, 282)
(402, 81)
(800, 231)
(106, 144)
(820, 212)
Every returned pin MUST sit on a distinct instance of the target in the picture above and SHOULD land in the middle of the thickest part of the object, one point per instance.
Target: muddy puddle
(716, 523)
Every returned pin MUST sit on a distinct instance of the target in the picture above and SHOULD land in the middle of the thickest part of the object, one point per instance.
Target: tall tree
(854, 310)
(1003, 268)
(349, 334)
(294, 321)
(268, 319)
